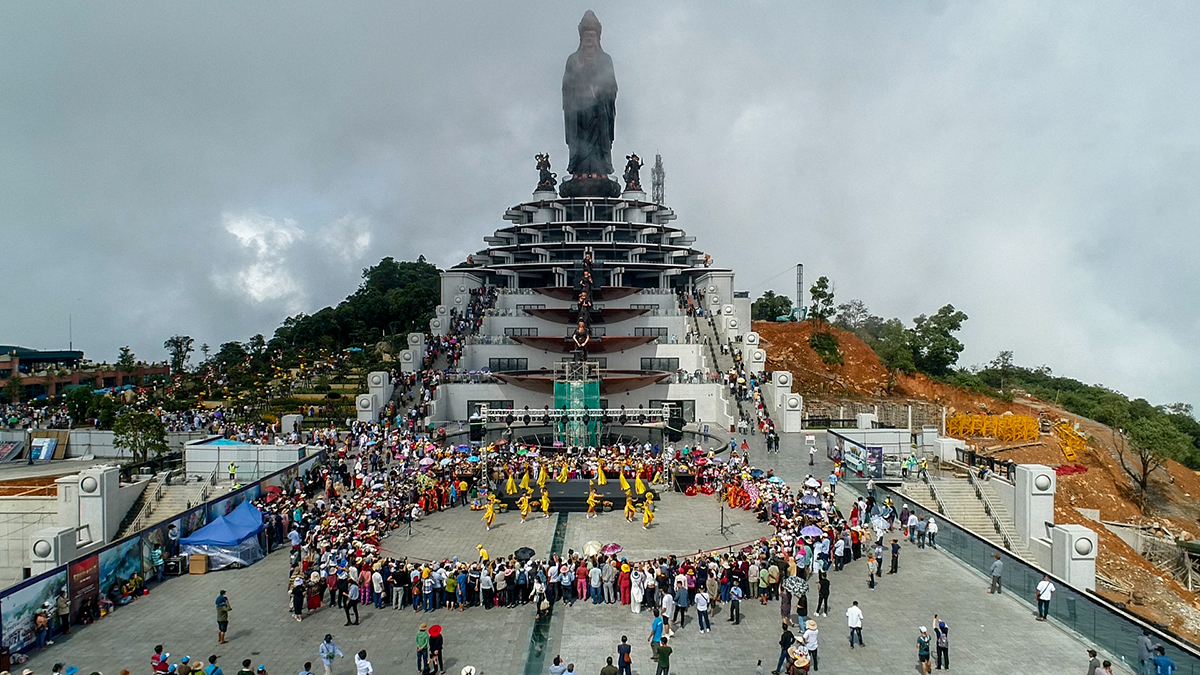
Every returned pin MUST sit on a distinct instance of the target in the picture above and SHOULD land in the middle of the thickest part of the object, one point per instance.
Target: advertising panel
(118, 563)
(83, 579)
(18, 610)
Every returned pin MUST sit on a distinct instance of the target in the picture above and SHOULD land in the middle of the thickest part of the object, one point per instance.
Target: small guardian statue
(633, 166)
(547, 180)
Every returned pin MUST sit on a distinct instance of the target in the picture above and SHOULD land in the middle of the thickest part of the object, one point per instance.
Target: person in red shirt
(158, 661)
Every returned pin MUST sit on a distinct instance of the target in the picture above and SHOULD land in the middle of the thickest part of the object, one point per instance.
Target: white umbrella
(592, 548)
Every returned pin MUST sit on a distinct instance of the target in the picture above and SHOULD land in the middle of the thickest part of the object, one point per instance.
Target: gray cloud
(211, 169)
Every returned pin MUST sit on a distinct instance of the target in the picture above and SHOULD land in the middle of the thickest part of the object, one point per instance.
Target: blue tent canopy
(246, 515)
(244, 522)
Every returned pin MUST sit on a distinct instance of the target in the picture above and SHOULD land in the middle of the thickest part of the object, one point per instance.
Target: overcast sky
(209, 168)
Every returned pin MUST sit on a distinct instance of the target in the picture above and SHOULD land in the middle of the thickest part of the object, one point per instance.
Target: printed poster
(83, 579)
(18, 611)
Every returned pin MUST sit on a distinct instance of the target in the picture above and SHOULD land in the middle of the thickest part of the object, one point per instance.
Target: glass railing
(1095, 619)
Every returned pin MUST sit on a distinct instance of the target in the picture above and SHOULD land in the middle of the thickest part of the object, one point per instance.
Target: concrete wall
(1006, 490)
(19, 518)
(100, 443)
(253, 461)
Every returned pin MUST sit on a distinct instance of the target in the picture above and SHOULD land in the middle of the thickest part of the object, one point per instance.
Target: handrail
(937, 498)
(209, 484)
(987, 507)
(148, 506)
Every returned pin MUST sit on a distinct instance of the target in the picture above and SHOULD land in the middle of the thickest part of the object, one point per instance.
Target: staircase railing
(937, 498)
(154, 494)
(991, 512)
(209, 483)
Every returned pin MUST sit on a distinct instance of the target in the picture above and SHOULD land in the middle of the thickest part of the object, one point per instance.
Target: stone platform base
(590, 187)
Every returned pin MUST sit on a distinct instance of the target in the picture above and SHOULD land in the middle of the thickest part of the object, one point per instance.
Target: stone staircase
(965, 507)
(174, 499)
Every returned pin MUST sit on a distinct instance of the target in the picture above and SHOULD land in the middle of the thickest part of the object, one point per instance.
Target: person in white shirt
(363, 665)
(809, 636)
(854, 619)
(667, 611)
(702, 618)
(1045, 591)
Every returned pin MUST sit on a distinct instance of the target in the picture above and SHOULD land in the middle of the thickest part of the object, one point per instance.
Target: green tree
(821, 298)
(894, 346)
(935, 348)
(142, 434)
(257, 345)
(79, 402)
(852, 316)
(1002, 364)
(179, 347)
(770, 306)
(126, 363)
(13, 388)
(1151, 442)
(204, 349)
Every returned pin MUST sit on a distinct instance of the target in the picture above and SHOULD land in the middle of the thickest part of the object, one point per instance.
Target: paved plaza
(988, 633)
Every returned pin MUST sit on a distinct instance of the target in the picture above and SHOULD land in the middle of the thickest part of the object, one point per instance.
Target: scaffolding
(1006, 428)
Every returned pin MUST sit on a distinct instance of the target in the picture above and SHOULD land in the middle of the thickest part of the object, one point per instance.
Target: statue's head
(589, 31)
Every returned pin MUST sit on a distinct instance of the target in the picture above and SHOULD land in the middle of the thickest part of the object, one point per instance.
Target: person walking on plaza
(223, 608)
(624, 657)
(656, 635)
(854, 619)
(609, 668)
(810, 637)
(1145, 653)
(1093, 662)
(932, 529)
(895, 556)
(681, 604)
(436, 642)
(1163, 665)
(362, 665)
(786, 640)
(664, 658)
(1045, 591)
(923, 650)
(702, 618)
(422, 647)
(997, 570)
(328, 651)
(941, 639)
(350, 598)
(735, 605)
(822, 596)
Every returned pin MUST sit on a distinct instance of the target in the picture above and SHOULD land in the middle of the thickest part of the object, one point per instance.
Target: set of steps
(964, 507)
(176, 498)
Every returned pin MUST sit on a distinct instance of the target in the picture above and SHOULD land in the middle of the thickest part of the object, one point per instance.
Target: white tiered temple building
(647, 349)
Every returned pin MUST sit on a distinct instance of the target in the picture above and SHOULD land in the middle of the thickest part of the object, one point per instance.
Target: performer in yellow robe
(592, 500)
(630, 509)
(637, 482)
(525, 480)
(542, 476)
(647, 511)
(601, 479)
(510, 488)
(565, 474)
(545, 503)
(523, 502)
(489, 512)
(624, 481)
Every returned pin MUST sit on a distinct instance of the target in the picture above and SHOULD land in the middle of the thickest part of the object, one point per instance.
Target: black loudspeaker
(675, 426)
(477, 430)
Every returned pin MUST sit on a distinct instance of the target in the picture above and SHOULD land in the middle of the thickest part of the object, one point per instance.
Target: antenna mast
(658, 176)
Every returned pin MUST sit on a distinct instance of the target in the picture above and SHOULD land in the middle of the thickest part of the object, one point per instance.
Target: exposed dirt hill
(1175, 490)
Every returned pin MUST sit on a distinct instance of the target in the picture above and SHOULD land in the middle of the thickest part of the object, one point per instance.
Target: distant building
(51, 373)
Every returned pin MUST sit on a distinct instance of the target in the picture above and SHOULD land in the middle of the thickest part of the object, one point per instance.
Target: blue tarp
(244, 522)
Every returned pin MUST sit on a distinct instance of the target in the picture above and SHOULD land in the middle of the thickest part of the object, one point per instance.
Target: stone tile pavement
(988, 633)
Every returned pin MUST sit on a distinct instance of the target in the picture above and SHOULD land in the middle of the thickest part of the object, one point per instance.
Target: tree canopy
(394, 298)
(770, 306)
